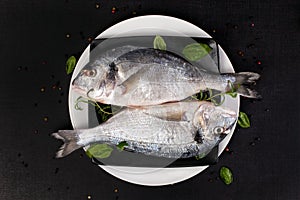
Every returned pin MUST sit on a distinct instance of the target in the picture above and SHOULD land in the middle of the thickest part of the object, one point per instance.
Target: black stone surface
(36, 38)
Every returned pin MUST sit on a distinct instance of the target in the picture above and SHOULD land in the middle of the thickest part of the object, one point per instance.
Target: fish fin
(245, 91)
(132, 81)
(246, 78)
(169, 116)
(70, 139)
(243, 81)
(176, 116)
(122, 88)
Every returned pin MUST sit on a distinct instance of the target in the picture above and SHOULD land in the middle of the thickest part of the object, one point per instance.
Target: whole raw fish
(173, 130)
(147, 76)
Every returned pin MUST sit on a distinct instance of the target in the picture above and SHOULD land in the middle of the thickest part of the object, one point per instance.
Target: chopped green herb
(159, 43)
(70, 64)
(99, 151)
(196, 51)
(243, 120)
(121, 145)
(226, 175)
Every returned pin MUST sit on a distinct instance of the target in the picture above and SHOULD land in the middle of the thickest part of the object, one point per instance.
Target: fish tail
(70, 139)
(243, 83)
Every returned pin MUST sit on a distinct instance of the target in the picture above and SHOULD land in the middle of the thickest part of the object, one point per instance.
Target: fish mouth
(77, 89)
(73, 82)
(229, 128)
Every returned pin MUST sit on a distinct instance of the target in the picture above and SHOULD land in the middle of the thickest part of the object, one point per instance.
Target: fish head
(214, 121)
(93, 80)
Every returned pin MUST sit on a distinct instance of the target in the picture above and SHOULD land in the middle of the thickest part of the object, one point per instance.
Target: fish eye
(219, 130)
(89, 73)
(92, 73)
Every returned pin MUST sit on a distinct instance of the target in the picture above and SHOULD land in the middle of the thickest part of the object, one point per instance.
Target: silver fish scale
(149, 56)
(137, 126)
(161, 58)
(171, 151)
(164, 86)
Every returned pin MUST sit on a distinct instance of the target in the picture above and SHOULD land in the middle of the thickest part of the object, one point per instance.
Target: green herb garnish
(243, 120)
(196, 51)
(159, 43)
(226, 175)
(233, 90)
(198, 157)
(122, 145)
(209, 96)
(103, 110)
(70, 64)
(78, 100)
(233, 95)
(99, 151)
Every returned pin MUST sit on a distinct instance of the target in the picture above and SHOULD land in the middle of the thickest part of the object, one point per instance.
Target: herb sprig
(204, 96)
(104, 110)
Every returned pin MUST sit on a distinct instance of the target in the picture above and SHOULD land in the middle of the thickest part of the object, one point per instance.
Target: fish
(146, 76)
(172, 130)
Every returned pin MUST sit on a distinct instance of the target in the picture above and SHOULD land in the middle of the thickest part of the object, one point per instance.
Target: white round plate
(145, 26)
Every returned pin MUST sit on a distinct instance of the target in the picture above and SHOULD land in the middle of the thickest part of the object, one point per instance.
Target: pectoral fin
(132, 82)
(176, 115)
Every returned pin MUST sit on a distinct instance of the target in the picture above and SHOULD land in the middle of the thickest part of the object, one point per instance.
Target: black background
(34, 48)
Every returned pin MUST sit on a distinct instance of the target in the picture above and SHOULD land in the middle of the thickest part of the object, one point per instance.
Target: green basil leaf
(243, 120)
(121, 145)
(159, 43)
(99, 151)
(226, 175)
(196, 51)
(198, 157)
(70, 64)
